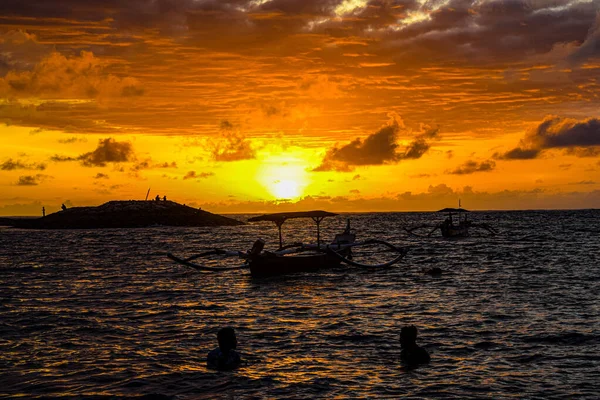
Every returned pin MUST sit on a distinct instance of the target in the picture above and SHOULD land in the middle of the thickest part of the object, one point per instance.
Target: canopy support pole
(279, 223)
(318, 222)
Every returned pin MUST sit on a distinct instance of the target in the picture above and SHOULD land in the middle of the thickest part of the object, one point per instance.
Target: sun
(283, 177)
(285, 189)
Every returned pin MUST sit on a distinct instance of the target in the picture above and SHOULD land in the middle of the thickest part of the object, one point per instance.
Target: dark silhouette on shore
(63, 207)
(224, 357)
(43, 211)
(412, 354)
(124, 214)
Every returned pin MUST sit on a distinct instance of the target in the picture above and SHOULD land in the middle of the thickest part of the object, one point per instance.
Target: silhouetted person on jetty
(412, 354)
(43, 211)
(157, 198)
(224, 357)
(63, 207)
(165, 198)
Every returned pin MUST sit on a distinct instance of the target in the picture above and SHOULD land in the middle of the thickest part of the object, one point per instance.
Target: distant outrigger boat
(453, 228)
(297, 257)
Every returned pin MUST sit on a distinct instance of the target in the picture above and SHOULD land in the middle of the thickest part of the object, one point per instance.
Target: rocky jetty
(125, 214)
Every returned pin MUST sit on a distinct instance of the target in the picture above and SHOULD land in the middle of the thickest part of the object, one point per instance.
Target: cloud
(584, 183)
(100, 175)
(471, 167)
(57, 76)
(579, 138)
(19, 50)
(232, 145)
(518, 153)
(61, 158)
(32, 180)
(72, 139)
(590, 48)
(11, 165)
(378, 148)
(149, 164)
(108, 150)
(194, 175)
(436, 197)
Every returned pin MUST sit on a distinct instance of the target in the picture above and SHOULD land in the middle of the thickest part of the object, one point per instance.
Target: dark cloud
(518, 153)
(149, 164)
(590, 48)
(584, 183)
(72, 139)
(583, 151)
(471, 167)
(378, 148)
(441, 29)
(32, 180)
(580, 138)
(100, 175)
(11, 165)
(61, 158)
(194, 175)
(108, 150)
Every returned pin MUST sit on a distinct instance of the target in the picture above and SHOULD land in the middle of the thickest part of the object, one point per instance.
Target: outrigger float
(453, 228)
(297, 257)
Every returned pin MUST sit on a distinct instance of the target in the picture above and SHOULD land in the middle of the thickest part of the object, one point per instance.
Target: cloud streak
(11, 165)
(470, 167)
(32, 180)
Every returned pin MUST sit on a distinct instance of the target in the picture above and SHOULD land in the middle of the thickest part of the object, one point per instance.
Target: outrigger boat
(453, 228)
(297, 257)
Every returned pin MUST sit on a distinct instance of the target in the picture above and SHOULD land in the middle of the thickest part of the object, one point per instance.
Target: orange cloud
(57, 76)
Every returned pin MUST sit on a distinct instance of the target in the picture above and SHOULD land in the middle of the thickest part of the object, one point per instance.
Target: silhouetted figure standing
(224, 357)
(165, 198)
(43, 211)
(63, 207)
(412, 354)
(157, 198)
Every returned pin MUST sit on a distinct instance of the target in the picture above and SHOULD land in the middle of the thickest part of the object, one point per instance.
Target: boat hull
(269, 264)
(455, 232)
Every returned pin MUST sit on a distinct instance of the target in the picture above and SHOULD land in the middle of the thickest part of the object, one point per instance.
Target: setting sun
(285, 189)
(284, 177)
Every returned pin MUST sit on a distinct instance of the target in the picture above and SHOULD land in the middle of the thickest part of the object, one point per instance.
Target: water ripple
(99, 314)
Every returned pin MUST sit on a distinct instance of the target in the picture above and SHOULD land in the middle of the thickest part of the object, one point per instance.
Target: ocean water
(104, 313)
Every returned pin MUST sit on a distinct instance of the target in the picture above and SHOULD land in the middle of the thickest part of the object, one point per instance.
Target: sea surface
(104, 313)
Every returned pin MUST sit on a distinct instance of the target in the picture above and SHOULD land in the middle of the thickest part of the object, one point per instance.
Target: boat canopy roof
(281, 217)
(453, 210)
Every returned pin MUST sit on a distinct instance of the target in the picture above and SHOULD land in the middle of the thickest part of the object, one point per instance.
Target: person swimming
(411, 354)
(224, 357)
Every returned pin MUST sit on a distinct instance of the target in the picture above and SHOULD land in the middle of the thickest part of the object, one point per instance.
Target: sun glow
(285, 189)
(284, 177)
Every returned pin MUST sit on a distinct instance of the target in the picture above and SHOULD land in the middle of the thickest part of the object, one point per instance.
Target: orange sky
(272, 105)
